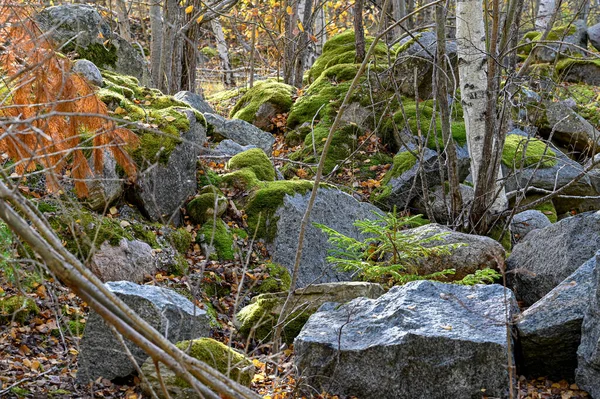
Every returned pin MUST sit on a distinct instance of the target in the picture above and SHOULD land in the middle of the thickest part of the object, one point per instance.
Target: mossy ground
(520, 152)
(17, 307)
(160, 120)
(221, 357)
(269, 91)
(222, 240)
(256, 160)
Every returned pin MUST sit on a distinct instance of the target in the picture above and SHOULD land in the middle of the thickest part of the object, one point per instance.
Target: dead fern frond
(45, 109)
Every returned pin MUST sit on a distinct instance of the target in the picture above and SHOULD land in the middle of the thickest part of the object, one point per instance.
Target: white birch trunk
(156, 26)
(222, 51)
(472, 71)
(544, 15)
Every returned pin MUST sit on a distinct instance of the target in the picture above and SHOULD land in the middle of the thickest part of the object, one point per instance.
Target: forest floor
(39, 354)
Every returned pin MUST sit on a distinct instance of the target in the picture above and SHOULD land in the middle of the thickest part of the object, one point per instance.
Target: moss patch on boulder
(420, 122)
(277, 94)
(202, 208)
(264, 201)
(156, 118)
(220, 356)
(256, 160)
(260, 317)
(521, 152)
(222, 241)
(556, 34)
(243, 179)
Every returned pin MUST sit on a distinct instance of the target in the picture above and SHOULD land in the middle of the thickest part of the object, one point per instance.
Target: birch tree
(479, 112)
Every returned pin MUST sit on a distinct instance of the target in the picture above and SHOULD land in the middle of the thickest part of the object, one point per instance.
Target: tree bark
(359, 31)
(123, 13)
(544, 14)
(156, 39)
(217, 29)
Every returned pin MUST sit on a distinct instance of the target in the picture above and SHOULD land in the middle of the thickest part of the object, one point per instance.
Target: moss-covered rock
(160, 120)
(223, 358)
(256, 160)
(220, 356)
(18, 308)
(401, 163)
(262, 102)
(579, 70)
(222, 240)
(264, 201)
(279, 279)
(341, 49)
(521, 152)
(419, 121)
(202, 208)
(343, 144)
(530, 39)
(260, 317)
(547, 208)
(180, 239)
(244, 179)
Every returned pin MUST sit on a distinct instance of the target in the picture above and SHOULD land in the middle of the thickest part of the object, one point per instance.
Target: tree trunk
(441, 85)
(123, 13)
(156, 26)
(303, 41)
(172, 48)
(359, 31)
(217, 29)
(398, 12)
(472, 70)
(544, 14)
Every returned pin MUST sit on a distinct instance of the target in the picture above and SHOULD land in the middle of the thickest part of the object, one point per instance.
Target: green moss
(209, 52)
(514, 157)
(418, 120)
(401, 163)
(563, 66)
(240, 233)
(180, 267)
(82, 231)
(213, 316)
(256, 160)
(102, 56)
(76, 327)
(207, 177)
(341, 49)
(587, 98)
(547, 208)
(399, 47)
(504, 239)
(243, 179)
(222, 241)
(279, 279)
(202, 208)
(556, 34)
(260, 317)
(17, 307)
(220, 356)
(264, 201)
(151, 109)
(268, 91)
(181, 239)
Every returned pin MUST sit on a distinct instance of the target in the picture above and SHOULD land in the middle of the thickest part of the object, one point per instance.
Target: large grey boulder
(577, 36)
(420, 54)
(421, 340)
(195, 101)
(571, 130)
(241, 132)
(332, 208)
(594, 36)
(524, 222)
(546, 257)
(230, 147)
(473, 252)
(550, 330)
(175, 317)
(80, 28)
(162, 190)
(130, 261)
(588, 354)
